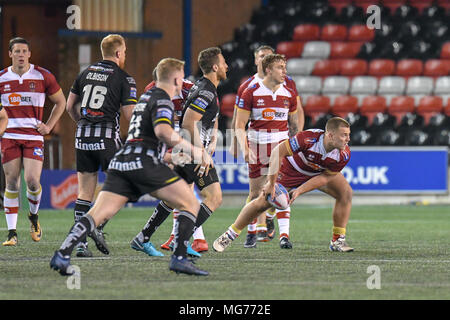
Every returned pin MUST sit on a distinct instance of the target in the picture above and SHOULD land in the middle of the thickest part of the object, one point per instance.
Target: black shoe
(61, 264)
(285, 243)
(270, 228)
(83, 250)
(183, 265)
(250, 242)
(99, 238)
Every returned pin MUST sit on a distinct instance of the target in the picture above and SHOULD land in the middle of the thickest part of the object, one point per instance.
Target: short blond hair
(270, 59)
(166, 67)
(335, 123)
(110, 43)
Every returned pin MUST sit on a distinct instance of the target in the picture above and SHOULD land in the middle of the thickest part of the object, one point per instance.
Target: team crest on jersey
(38, 152)
(310, 140)
(32, 86)
(310, 157)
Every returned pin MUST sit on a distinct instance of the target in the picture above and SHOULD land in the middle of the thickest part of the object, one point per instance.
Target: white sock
(34, 200)
(11, 205)
(198, 234)
(283, 217)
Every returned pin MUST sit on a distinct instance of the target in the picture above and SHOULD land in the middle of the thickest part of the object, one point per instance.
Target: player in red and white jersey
(23, 89)
(258, 228)
(310, 160)
(199, 244)
(271, 108)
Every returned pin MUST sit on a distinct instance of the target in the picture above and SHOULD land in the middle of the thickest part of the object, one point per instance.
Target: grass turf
(409, 244)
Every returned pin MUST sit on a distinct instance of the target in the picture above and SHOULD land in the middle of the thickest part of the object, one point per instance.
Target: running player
(199, 121)
(311, 160)
(258, 230)
(104, 89)
(138, 168)
(23, 88)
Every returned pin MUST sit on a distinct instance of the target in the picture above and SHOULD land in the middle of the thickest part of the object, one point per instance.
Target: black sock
(81, 208)
(183, 231)
(203, 214)
(162, 211)
(78, 232)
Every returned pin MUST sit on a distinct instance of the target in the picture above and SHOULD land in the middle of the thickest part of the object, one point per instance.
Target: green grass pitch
(409, 245)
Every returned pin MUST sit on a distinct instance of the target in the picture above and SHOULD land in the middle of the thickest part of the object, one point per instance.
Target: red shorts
(13, 148)
(259, 157)
(288, 177)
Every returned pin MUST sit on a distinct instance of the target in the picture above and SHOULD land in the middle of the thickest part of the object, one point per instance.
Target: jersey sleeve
(296, 143)
(246, 100)
(339, 165)
(129, 92)
(201, 101)
(293, 104)
(75, 89)
(149, 86)
(51, 85)
(290, 83)
(163, 112)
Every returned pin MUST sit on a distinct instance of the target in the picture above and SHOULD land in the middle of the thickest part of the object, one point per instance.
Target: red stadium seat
(436, 68)
(306, 32)
(429, 106)
(344, 50)
(343, 105)
(227, 104)
(381, 67)
(361, 33)
(400, 106)
(339, 4)
(393, 4)
(291, 49)
(445, 51)
(371, 106)
(315, 106)
(364, 4)
(421, 4)
(409, 68)
(447, 108)
(333, 32)
(444, 4)
(326, 68)
(353, 67)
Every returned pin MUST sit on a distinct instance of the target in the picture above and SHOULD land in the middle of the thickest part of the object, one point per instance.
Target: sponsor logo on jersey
(64, 193)
(133, 92)
(202, 103)
(294, 144)
(15, 99)
(164, 113)
(241, 103)
(310, 140)
(131, 80)
(90, 146)
(268, 114)
(38, 152)
(208, 95)
(125, 166)
(7, 87)
(260, 102)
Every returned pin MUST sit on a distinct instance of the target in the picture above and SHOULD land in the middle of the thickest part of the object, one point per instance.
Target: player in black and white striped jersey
(103, 89)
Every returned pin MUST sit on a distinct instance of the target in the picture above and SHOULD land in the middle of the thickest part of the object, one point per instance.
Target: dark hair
(207, 58)
(264, 47)
(270, 59)
(13, 41)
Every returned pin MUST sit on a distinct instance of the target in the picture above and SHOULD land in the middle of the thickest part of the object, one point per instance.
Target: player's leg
(211, 194)
(199, 244)
(12, 170)
(247, 214)
(340, 189)
(255, 186)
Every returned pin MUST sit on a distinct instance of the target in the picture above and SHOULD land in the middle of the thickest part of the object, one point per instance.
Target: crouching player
(138, 169)
(310, 160)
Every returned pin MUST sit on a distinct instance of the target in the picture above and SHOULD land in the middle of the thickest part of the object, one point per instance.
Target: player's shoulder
(251, 88)
(149, 86)
(246, 83)
(126, 77)
(310, 136)
(42, 70)
(345, 154)
(4, 71)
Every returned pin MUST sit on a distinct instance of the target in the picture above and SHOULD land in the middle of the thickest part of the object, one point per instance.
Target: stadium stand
(398, 74)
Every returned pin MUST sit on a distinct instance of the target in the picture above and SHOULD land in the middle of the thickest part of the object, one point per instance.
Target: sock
(162, 211)
(198, 234)
(233, 232)
(261, 227)
(81, 208)
(183, 232)
(251, 228)
(283, 217)
(270, 214)
(338, 232)
(79, 231)
(176, 212)
(34, 199)
(203, 214)
(11, 205)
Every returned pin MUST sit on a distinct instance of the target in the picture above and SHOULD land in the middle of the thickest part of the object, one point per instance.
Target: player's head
(260, 53)
(170, 71)
(337, 131)
(19, 52)
(211, 60)
(113, 48)
(274, 66)
(154, 75)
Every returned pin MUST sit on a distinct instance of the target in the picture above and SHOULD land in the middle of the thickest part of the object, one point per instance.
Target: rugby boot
(99, 239)
(340, 245)
(11, 240)
(200, 245)
(36, 230)
(184, 265)
(250, 241)
(270, 228)
(82, 250)
(146, 247)
(222, 242)
(285, 243)
(61, 264)
(166, 245)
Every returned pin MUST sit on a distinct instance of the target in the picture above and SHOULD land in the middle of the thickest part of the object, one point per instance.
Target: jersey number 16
(95, 99)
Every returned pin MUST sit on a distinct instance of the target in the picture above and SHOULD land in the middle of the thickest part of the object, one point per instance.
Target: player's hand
(207, 163)
(43, 129)
(234, 149)
(293, 194)
(269, 190)
(180, 159)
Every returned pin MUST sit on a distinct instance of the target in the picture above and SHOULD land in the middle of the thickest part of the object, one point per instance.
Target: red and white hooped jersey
(178, 100)
(23, 98)
(269, 112)
(309, 157)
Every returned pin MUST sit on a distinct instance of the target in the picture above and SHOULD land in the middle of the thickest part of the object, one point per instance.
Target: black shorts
(95, 153)
(132, 176)
(190, 176)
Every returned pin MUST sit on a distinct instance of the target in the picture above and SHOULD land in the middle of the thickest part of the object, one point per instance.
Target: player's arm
(293, 123)
(281, 151)
(300, 115)
(127, 111)
(313, 184)
(213, 143)
(242, 117)
(234, 143)
(73, 106)
(58, 109)
(3, 120)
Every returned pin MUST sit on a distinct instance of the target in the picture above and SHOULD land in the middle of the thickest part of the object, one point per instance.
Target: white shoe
(222, 243)
(340, 245)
